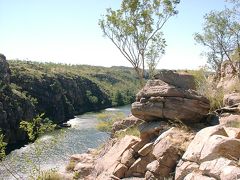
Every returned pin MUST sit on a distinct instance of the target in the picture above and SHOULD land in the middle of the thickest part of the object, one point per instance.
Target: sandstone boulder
(197, 176)
(230, 172)
(151, 130)
(126, 123)
(83, 158)
(213, 154)
(231, 99)
(159, 100)
(220, 146)
(106, 165)
(215, 167)
(120, 170)
(181, 80)
(193, 152)
(184, 168)
(233, 132)
(84, 169)
(138, 168)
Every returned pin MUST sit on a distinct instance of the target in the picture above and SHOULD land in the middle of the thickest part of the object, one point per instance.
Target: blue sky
(67, 31)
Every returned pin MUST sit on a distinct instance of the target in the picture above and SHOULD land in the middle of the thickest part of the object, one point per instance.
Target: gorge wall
(59, 91)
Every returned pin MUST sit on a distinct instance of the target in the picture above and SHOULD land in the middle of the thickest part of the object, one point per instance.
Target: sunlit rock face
(170, 97)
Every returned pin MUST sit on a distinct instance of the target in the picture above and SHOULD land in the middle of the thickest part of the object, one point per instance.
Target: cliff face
(14, 106)
(59, 91)
(62, 97)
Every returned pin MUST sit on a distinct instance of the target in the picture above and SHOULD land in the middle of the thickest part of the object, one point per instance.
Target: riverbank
(59, 91)
(79, 138)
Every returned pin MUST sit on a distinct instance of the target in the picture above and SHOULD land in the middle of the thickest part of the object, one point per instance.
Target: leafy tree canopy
(135, 28)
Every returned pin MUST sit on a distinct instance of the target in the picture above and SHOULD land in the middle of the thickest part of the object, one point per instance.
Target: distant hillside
(60, 91)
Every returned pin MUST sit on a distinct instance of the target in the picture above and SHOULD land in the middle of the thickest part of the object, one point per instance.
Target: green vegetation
(2, 146)
(129, 131)
(37, 126)
(135, 29)
(221, 32)
(112, 81)
(206, 86)
(107, 119)
(49, 175)
(70, 165)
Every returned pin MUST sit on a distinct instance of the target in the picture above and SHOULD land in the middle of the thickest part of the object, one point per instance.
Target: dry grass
(129, 131)
(49, 175)
(70, 166)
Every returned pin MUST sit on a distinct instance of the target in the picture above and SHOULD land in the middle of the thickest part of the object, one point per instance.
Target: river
(52, 151)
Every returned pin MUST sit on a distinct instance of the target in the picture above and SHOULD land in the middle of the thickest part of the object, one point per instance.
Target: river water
(52, 151)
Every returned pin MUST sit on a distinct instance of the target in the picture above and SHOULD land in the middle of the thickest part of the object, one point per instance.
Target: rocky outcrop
(165, 100)
(128, 122)
(180, 80)
(212, 153)
(61, 97)
(133, 157)
(229, 115)
(231, 99)
(160, 146)
(14, 106)
(229, 78)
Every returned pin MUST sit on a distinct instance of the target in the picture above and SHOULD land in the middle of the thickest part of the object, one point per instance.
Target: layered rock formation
(213, 154)
(163, 151)
(154, 155)
(170, 100)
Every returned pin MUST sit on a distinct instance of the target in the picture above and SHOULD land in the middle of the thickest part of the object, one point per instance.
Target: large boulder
(212, 155)
(231, 99)
(109, 163)
(181, 80)
(160, 100)
(126, 123)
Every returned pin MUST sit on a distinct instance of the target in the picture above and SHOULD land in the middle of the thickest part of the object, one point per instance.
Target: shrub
(49, 175)
(70, 165)
(107, 119)
(206, 86)
(2, 146)
(37, 126)
(129, 131)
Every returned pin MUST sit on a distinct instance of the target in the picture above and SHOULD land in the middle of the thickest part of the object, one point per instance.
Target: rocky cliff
(14, 106)
(59, 91)
(179, 145)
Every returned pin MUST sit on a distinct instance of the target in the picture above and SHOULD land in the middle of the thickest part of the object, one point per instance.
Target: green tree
(119, 98)
(153, 55)
(37, 126)
(221, 37)
(136, 26)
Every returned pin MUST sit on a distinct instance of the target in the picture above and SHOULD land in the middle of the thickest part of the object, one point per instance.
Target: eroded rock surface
(162, 100)
(212, 155)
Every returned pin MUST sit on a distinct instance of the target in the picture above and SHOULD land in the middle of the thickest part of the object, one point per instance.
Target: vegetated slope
(60, 91)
